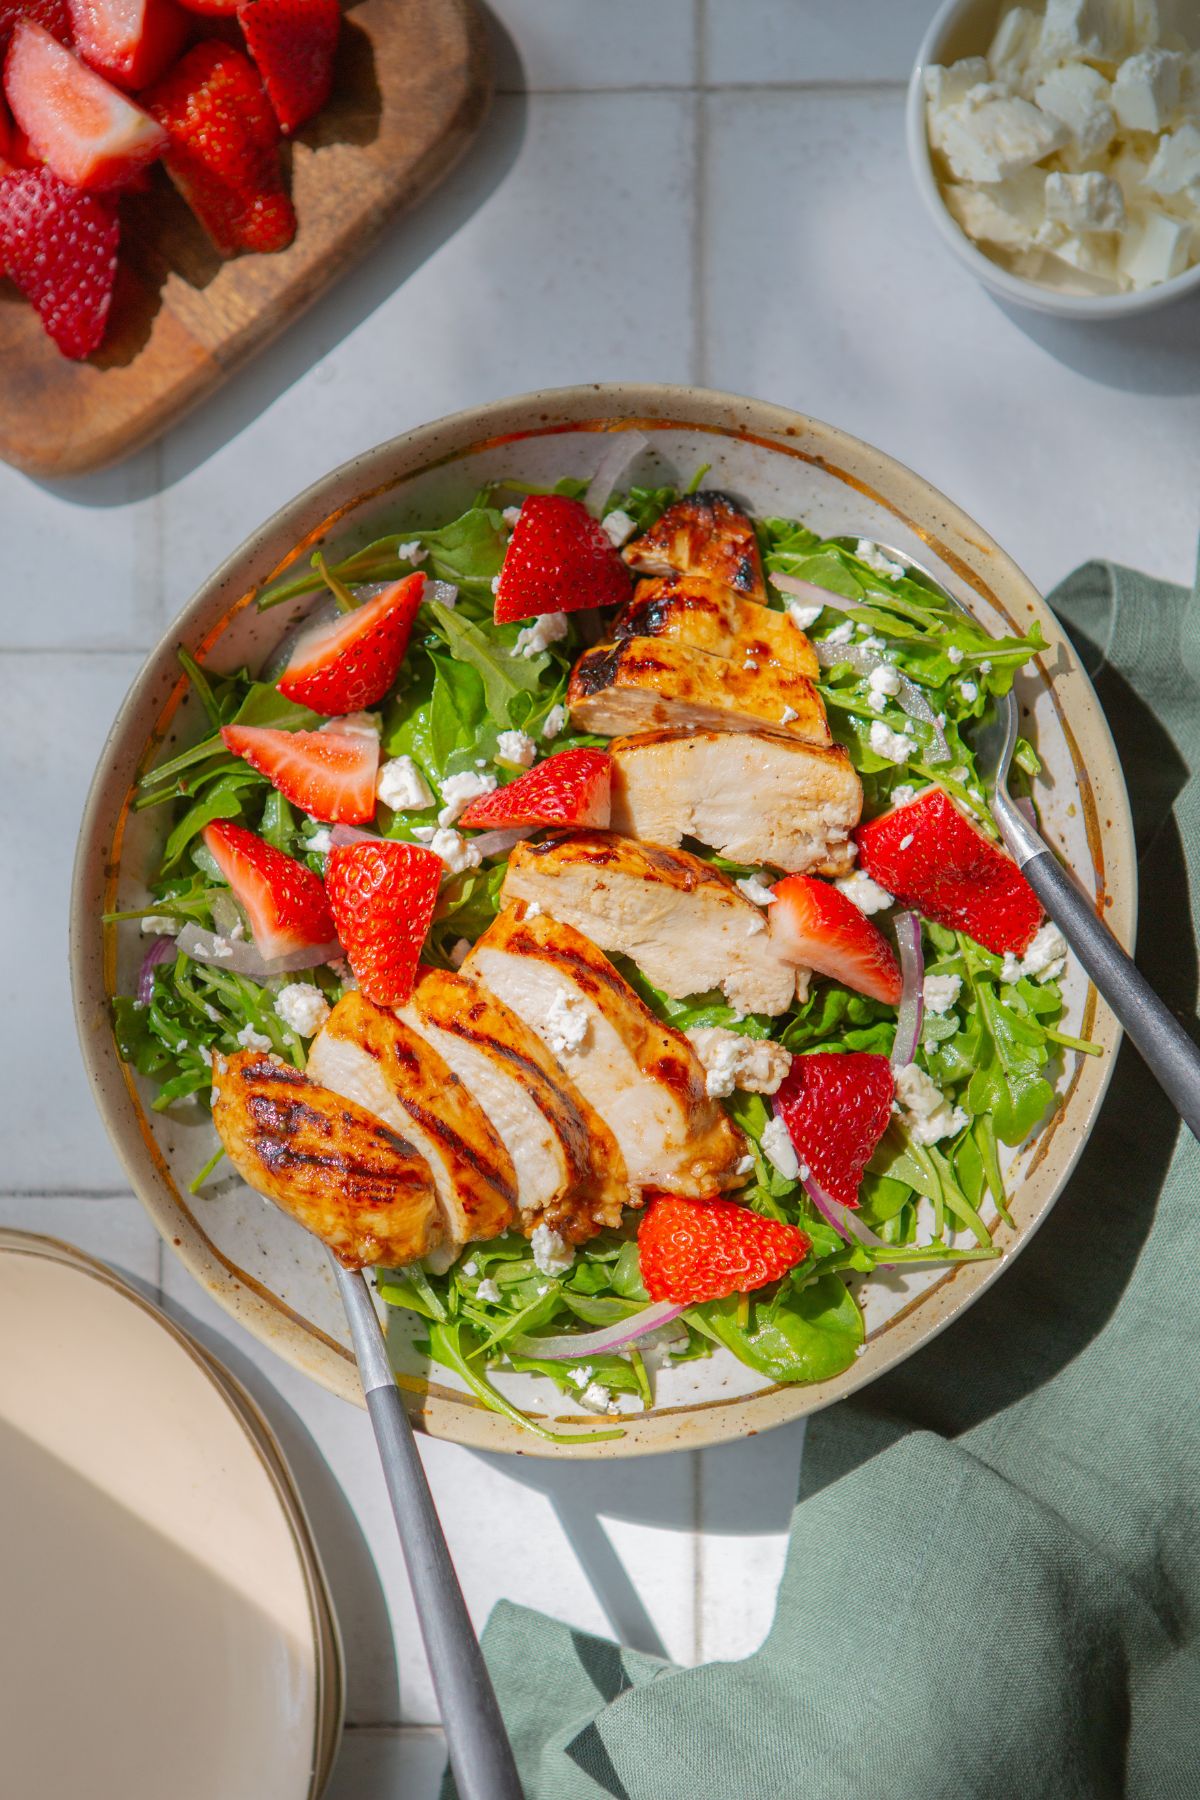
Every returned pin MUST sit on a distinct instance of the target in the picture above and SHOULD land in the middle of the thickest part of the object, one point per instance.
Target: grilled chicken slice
(705, 534)
(645, 684)
(684, 923)
(338, 1170)
(754, 796)
(364, 1052)
(690, 610)
(570, 1173)
(757, 1065)
(643, 1079)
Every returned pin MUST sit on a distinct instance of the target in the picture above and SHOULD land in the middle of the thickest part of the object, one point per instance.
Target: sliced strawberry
(53, 16)
(60, 247)
(329, 774)
(284, 902)
(836, 1108)
(212, 9)
(129, 41)
(694, 1250)
(223, 153)
(572, 788)
(83, 127)
(815, 924)
(293, 42)
(383, 894)
(933, 858)
(351, 663)
(558, 560)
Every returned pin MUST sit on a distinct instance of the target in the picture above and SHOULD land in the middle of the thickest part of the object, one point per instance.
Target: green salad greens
(990, 1050)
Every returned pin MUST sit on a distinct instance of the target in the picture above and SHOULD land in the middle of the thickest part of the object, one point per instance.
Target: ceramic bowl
(256, 1262)
(965, 28)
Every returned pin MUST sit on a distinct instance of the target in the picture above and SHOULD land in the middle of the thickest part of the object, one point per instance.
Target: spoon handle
(480, 1753)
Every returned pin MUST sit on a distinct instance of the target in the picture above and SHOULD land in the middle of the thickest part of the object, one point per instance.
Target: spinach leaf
(805, 1336)
(504, 674)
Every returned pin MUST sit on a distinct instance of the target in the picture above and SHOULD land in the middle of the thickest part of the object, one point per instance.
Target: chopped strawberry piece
(815, 924)
(60, 247)
(694, 1250)
(129, 41)
(383, 894)
(572, 788)
(7, 158)
(83, 127)
(933, 858)
(293, 42)
(212, 9)
(53, 16)
(223, 153)
(558, 559)
(284, 902)
(329, 774)
(836, 1108)
(351, 663)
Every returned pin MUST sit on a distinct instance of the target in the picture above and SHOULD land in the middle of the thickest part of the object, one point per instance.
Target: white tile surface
(578, 44)
(812, 40)
(116, 1229)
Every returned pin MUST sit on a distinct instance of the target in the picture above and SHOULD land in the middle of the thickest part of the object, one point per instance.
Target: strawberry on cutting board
(129, 41)
(352, 662)
(558, 559)
(815, 925)
(85, 129)
(694, 1250)
(572, 788)
(382, 894)
(836, 1108)
(934, 859)
(284, 902)
(293, 43)
(328, 774)
(60, 248)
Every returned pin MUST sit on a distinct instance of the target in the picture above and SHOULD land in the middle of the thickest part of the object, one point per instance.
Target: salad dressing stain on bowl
(260, 1265)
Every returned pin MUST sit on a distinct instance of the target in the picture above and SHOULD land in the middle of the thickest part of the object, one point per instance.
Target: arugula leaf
(504, 674)
(223, 801)
(470, 550)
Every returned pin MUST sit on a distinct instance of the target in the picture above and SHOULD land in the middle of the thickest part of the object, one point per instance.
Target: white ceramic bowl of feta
(1108, 91)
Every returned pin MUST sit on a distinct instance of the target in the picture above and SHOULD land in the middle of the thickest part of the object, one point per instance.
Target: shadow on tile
(1151, 354)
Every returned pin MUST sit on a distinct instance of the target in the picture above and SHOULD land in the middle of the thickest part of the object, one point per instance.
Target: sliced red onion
(341, 835)
(808, 590)
(626, 445)
(244, 958)
(912, 994)
(499, 843)
(442, 593)
(602, 1342)
(160, 949)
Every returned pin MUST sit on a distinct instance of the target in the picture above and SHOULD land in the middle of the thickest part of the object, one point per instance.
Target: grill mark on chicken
(458, 1148)
(694, 610)
(642, 684)
(708, 534)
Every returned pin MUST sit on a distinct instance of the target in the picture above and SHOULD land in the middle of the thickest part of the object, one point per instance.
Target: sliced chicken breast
(756, 797)
(364, 1052)
(646, 684)
(704, 534)
(691, 610)
(361, 1188)
(683, 923)
(570, 1173)
(644, 1079)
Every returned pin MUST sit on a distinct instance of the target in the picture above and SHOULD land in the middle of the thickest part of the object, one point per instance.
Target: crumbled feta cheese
(471, 1268)
(1175, 165)
(458, 791)
(947, 85)
(456, 851)
(1155, 248)
(989, 135)
(954, 655)
(866, 894)
(303, 1007)
(892, 746)
(779, 1150)
(841, 634)
(580, 1376)
(755, 890)
(159, 925)
(939, 992)
(1010, 214)
(552, 1254)
(730, 1060)
(596, 1395)
(1015, 51)
(902, 794)
(1088, 202)
(618, 527)
(250, 1039)
(321, 842)
(412, 552)
(1145, 89)
(205, 1055)
(969, 691)
(401, 785)
(220, 947)
(495, 584)
(546, 630)
(873, 556)
(882, 683)
(1083, 28)
(488, 1292)
(556, 718)
(870, 642)
(1078, 96)
(745, 1165)
(362, 724)
(985, 667)
(566, 1024)
(928, 1114)
(515, 747)
(787, 715)
(802, 614)
(510, 515)
(533, 909)
(459, 952)
(1045, 959)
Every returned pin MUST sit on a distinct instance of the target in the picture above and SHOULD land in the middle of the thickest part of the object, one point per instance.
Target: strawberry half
(83, 127)
(293, 42)
(352, 662)
(53, 16)
(694, 1250)
(816, 925)
(382, 894)
(836, 1108)
(129, 41)
(60, 247)
(572, 788)
(933, 858)
(211, 9)
(223, 149)
(329, 774)
(558, 559)
(284, 902)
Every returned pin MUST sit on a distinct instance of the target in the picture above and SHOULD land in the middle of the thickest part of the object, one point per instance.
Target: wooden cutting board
(412, 88)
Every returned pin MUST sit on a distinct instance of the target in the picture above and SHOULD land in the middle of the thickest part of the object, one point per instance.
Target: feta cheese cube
(928, 1115)
(990, 135)
(1095, 29)
(458, 791)
(456, 851)
(552, 1254)
(892, 746)
(866, 894)
(882, 683)
(1146, 90)
(1078, 96)
(802, 615)
(1090, 202)
(873, 556)
(779, 1150)
(1175, 165)
(302, 1006)
(618, 527)
(250, 1039)
(401, 785)
(1155, 248)
(545, 630)
(1015, 51)
(946, 86)
(1093, 255)
(939, 992)
(556, 718)
(1009, 214)
(567, 1023)
(515, 747)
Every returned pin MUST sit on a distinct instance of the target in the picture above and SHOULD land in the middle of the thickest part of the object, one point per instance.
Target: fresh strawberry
(814, 924)
(329, 774)
(83, 127)
(933, 858)
(694, 1250)
(212, 9)
(223, 153)
(129, 41)
(293, 42)
(572, 788)
(7, 146)
(60, 247)
(558, 560)
(383, 894)
(53, 16)
(352, 662)
(836, 1108)
(284, 902)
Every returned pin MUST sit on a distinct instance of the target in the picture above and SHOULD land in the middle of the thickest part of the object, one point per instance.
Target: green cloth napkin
(993, 1581)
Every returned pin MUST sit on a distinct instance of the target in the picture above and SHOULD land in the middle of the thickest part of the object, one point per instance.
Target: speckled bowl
(257, 1263)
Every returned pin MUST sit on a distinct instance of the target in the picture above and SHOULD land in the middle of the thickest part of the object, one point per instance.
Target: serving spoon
(1165, 1046)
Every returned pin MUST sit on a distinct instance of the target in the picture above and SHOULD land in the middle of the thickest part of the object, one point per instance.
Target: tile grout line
(886, 84)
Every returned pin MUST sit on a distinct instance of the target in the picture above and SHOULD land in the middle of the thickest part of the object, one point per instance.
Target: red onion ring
(341, 835)
(912, 993)
(243, 957)
(612, 465)
(499, 843)
(160, 949)
(602, 1342)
